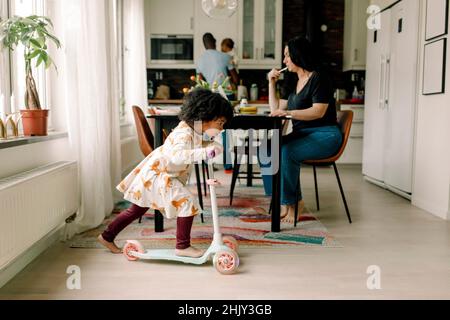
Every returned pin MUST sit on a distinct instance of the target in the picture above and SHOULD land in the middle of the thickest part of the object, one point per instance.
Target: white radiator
(34, 203)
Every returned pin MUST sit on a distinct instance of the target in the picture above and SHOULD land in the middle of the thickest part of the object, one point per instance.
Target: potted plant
(33, 34)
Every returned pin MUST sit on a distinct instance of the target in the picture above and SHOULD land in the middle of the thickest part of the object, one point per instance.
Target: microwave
(171, 48)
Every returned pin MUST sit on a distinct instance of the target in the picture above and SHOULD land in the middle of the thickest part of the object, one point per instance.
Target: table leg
(159, 219)
(276, 190)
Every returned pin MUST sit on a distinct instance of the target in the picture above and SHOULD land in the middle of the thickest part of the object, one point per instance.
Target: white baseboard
(438, 211)
(14, 267)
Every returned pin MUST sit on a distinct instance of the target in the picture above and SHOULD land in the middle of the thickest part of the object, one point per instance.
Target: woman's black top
(318, 89)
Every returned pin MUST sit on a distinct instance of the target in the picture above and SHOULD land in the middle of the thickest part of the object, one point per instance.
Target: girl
(159, 182)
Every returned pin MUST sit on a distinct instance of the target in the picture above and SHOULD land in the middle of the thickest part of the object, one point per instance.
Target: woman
(311, 105)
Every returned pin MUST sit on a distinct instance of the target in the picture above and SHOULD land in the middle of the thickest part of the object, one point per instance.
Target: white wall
(431, 185)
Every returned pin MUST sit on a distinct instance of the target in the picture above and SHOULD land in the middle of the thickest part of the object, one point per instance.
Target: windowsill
(17, 142)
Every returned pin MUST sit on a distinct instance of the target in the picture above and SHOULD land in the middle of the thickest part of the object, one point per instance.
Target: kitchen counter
(179, 102)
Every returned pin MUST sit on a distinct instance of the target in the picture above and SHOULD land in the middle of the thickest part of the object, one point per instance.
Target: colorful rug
(247, 220)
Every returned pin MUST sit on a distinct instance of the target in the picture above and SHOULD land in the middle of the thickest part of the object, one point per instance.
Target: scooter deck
(169, 255)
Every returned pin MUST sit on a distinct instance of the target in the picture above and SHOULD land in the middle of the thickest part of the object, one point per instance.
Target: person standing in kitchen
(227, 47)
(310, 104)
(214, 66)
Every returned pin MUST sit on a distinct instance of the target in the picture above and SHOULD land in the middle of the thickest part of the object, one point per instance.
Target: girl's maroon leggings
(125, 218)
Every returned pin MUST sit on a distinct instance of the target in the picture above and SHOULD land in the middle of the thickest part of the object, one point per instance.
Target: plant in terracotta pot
(33, 34)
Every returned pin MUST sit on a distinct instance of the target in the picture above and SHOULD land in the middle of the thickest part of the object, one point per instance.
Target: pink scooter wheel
(231, 243)
(226, 262)
(132, 246)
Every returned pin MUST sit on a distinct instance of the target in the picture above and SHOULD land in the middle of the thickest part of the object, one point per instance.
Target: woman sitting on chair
(312, 107)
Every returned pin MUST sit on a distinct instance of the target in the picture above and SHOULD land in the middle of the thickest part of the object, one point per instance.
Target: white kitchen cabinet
(169, 17)
(220, 29)
(161, 18)
(354, 150)
(260, 34)
(355, 34)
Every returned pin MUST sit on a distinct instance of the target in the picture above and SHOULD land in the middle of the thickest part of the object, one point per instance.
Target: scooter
(223, 250)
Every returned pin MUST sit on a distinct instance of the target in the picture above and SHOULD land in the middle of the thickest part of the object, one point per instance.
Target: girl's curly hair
(204, 105)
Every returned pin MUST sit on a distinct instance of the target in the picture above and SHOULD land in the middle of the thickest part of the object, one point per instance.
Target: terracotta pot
(34, 122)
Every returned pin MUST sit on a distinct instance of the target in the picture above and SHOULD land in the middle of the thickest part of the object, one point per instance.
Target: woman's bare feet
(290, 216)
(283, 212)
(190, 252)
(109, 245)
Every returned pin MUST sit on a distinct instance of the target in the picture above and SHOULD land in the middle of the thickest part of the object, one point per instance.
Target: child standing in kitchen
(227, 47)
(159, 181)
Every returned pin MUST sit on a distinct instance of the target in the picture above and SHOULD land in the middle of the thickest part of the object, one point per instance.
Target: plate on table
(168, 110)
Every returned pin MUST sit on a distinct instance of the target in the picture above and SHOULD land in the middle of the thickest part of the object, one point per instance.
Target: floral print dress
(159, 181)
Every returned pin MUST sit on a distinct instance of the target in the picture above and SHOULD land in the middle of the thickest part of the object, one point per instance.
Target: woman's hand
(274, 75)
(280, 113)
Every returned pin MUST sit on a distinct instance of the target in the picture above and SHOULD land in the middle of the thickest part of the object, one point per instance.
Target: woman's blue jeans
(306, 144)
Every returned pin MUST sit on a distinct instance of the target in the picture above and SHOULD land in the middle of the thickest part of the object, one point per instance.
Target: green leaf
(39, 61)
(34, 54)
(35, 44)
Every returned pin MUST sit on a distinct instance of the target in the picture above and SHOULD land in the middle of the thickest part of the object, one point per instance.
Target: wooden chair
(345, 119)
(147, 142)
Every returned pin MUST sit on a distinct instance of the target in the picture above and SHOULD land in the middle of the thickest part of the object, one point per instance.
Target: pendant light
(219, 9)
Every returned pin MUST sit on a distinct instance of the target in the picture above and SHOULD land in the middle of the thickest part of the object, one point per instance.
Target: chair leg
(297, 191)
(249, 174)
(236, 168)
(199, 189)
(342, 193)
(270, 208)
(316, 188)
(204, 179)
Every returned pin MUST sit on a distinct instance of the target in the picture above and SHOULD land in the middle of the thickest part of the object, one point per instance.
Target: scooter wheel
(231, 243)
(132, 246)
(226, 262)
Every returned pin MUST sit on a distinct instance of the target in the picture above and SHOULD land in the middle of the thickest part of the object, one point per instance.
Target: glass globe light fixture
(219, 9)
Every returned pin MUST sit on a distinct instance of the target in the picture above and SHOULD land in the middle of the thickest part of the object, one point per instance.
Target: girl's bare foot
(190, 252)
(290, 217)
(109, 245)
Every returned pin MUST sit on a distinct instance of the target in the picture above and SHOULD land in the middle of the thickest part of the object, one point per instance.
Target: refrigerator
(391, 94)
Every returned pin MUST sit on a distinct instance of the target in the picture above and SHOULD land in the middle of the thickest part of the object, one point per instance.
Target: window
(12, 66)
(118, 33)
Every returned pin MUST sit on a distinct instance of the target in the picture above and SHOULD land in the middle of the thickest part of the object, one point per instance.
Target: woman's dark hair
(204, 105)
(302, 53)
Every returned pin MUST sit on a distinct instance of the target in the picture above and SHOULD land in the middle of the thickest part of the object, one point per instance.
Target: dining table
(169, 121)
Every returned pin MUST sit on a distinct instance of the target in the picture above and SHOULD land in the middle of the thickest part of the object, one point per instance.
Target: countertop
(175, 102)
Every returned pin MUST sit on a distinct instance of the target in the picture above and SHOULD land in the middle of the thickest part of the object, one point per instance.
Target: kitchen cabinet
(162, 19)
(354, 150)
(220, 29)
(260, 34)
(355, 34)
(169, 17)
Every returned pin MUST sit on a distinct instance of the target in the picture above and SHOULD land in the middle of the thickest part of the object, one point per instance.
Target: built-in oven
(172, 48)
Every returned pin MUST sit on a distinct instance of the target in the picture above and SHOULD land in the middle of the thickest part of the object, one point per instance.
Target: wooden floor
(410, 246)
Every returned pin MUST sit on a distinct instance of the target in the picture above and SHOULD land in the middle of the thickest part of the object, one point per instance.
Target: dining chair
(345, 120)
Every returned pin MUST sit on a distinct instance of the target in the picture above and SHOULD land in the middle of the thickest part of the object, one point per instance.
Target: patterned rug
(247, 220)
